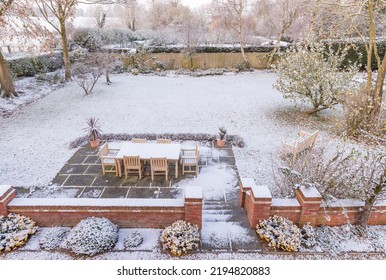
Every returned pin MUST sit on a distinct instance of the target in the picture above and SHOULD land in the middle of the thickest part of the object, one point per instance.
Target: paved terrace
(82, 177)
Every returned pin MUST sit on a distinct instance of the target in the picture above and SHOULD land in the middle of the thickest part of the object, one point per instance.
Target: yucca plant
(93, 131)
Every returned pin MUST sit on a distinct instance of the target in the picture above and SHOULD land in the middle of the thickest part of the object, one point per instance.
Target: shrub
(180, 238)
(161, 65)
(92, 236)
(134, 239)
(15, 231)
(280, 233)
(88, 38)
(30, 66)
(308, 236)
(52, 238)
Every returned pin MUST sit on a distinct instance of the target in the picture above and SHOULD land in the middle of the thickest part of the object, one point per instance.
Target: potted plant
(221, 137)
(93, 132)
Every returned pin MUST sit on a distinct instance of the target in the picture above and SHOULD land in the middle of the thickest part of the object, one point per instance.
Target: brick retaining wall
(306, 208)
(146, 213)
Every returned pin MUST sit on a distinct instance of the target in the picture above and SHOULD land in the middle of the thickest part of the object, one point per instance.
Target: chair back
(159, 164)
(104, 151)
(139, 140)
(163, 141)
(131, 162)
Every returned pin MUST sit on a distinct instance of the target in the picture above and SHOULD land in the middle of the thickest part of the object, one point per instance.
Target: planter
(220, 143)
(94, 143)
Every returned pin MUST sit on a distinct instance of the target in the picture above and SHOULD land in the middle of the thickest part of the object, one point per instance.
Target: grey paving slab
(94, 169)
(91, 159)
(92, 192)
(79, 180)
(59, 179)
(142, 192)
(108, 180)
(73, 169)
(114, 193)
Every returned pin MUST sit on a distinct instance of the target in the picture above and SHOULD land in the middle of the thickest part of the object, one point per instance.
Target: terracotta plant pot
(220, 143)
(94, 143)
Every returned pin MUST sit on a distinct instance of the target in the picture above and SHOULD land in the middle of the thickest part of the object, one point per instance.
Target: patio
(225, 225)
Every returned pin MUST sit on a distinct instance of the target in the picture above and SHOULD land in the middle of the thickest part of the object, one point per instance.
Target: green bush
(30, 66)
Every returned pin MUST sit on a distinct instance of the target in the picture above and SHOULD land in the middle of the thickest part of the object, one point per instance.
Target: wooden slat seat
(306, 141)
(159, 166)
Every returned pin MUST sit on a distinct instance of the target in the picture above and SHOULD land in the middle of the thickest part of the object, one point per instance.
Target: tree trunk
(243, 54)
(66, 57)
(107, 74)
(6, 83)
(365, 216)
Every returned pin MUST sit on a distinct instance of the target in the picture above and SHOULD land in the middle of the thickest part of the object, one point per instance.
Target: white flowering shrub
(15, 230)
(92, 236)
(308, 236)
(280, 233)
(52, 238)
(132, 240)
(181, 237)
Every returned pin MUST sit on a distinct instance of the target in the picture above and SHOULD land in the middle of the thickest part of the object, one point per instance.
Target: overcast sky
(195, 3)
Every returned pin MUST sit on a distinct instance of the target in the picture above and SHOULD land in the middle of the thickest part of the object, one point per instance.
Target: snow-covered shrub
(134, 239)
(159, 64)
(311, 71)
(52, 238)
(88, 38)
(134, 71)
(92, 236)
(14, 231)
(280, 233)
(181, 237)
(308, 236)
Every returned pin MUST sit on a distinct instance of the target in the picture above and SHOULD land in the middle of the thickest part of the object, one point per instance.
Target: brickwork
(6, 195)
(307, 208)
(68, 212)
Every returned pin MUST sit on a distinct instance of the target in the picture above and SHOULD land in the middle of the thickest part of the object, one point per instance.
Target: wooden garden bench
(306, 141)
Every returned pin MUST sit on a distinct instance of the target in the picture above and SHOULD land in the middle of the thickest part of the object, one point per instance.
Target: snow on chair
(189, 159)
(108, 159)
(139, 140)
(163, 141)
(306, 141)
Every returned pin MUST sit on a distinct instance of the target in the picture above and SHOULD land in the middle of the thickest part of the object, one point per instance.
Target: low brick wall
(146, 213)
(306, 208)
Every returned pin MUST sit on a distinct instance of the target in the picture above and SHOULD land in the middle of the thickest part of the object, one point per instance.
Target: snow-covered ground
(34, 140)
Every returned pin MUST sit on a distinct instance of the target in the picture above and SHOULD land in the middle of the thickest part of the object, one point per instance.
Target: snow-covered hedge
(235, 140)
(52, 238)
(308, 236)
(30, 66)
(133, 239)
(14, 231)
(280, 233)
(181, 237)
(92, 236)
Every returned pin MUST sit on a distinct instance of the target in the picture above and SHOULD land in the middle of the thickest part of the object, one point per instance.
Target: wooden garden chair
(189, 160)
(159, 166)
(108, 159)
(306, 141)
(163, 141)
(133, 165)
(139, 140)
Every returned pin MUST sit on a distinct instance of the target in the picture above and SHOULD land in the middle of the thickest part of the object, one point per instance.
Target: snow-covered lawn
(34, 140)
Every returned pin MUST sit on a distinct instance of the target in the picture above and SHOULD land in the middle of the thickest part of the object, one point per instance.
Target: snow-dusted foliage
(133, 239)
(92, 236)
(52, 238)
(280, 233)
(312, 72)
(14, 231)
(181, 237)
(308, 236)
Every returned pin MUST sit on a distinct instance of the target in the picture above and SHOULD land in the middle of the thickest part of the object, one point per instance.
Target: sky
(195, 3)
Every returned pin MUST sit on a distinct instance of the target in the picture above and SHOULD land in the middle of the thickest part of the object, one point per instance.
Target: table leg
(119, 167)
(176, 167)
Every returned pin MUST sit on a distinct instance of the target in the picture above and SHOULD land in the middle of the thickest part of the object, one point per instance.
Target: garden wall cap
(193, 192)
(4, 189)
(310, 192)
(247, 182)
(285, 202)
(261, 191)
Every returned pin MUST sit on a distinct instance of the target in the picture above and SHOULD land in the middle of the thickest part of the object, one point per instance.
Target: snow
(247, 182)
(310, 192)
(113, 202)
(285, 202)
(150, 150)
(345, 203)
(151, 238)
(261, 191)
(4, 189)
(193, 192)
(215, 181)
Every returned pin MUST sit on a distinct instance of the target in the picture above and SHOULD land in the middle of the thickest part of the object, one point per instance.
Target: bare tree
(17, 25)
(287, 11)
(57, 13)
(232, 13)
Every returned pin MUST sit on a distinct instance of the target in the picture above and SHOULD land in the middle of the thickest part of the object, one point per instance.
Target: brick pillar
(193, 205)
(245, 186)
(310, 200)
(7, 193)
(259, 205)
